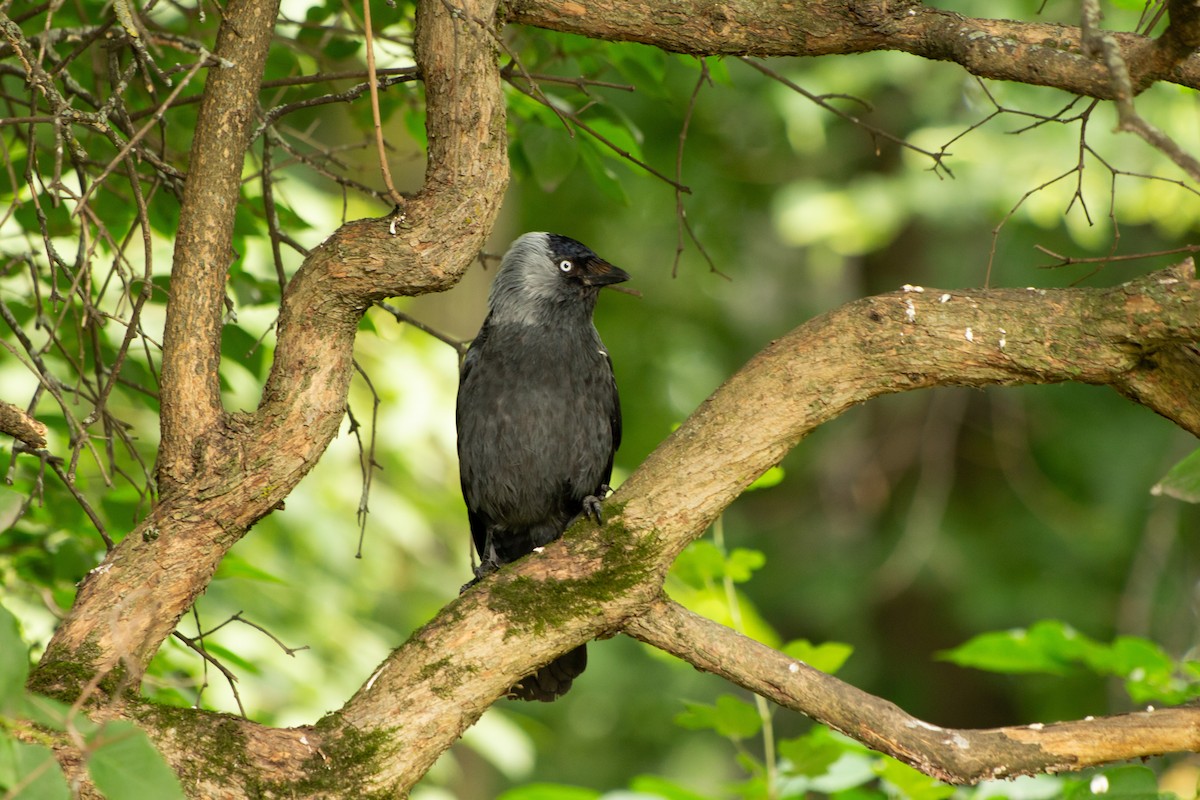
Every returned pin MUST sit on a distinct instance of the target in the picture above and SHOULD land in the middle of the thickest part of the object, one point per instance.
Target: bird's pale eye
(565, 265)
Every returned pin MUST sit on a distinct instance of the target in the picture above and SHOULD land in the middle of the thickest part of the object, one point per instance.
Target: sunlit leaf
(124, 763)
(14, 662)
(911, 783)
(655, 786)
(827, 656)
(1047, 647)
(1182, 481)
(813, 753)
(33, 769)
(772, 477)
(549, 791)
(742, 562)
(731, 717)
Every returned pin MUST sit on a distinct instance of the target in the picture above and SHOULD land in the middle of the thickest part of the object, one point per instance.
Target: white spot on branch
(375, 677)
(908, 287)
(969, 335)
(917, 723)
(944, 298)
(910, 311)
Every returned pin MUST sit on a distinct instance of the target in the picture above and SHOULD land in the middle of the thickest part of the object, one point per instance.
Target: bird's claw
(591, 504)
(485, 568)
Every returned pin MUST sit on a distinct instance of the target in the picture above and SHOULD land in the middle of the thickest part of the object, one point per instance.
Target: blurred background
(902, 529)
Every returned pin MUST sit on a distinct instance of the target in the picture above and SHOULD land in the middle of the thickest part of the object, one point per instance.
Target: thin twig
(876, 132)
(366, 456)
(396, 198)
(682, 222)
(460, 346)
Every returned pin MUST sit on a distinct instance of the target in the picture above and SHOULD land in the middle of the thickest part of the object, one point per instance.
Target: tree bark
(599, 582)
(221, 472)
(1037, 54)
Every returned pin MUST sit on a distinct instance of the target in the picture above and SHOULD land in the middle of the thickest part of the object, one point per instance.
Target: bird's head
(545, 272)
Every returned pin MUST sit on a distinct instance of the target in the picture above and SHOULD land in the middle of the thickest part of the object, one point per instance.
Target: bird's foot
(485, 568)
(591, 504)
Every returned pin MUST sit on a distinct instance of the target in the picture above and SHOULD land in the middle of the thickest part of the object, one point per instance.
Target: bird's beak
(601, 273)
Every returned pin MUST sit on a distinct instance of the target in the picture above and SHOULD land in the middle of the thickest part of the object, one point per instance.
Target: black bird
(538, 414)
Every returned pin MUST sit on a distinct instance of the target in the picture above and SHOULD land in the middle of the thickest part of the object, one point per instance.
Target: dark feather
(539, 417)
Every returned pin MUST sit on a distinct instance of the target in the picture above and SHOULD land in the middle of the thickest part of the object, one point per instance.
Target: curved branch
(595, 582)
(954, 755)
(190, 396)
(239, 470)
(1034, 53)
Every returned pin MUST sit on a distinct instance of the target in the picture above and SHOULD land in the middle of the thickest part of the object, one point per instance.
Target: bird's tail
(553, 680)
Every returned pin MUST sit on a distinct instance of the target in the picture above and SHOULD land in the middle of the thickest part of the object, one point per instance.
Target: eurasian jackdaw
(538, 414)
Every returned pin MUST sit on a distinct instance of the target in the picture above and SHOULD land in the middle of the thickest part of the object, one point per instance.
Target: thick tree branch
(1034, 53)
(190, 392)
(593, 583)
(954, 755)
(240, 469)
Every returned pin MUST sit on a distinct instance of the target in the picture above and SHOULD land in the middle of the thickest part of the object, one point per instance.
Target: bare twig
(366, 456)
(682, 221)
(460, 346)
(395, 196)
(939, 158)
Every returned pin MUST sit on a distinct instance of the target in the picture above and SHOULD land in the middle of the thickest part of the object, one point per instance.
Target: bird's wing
(614, 418)
(473, 354)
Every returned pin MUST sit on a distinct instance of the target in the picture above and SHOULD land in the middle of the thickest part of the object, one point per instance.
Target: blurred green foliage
(900, 531)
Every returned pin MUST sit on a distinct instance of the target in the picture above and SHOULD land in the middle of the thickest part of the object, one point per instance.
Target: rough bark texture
(954, 755)
(1035, 53)
(221, 472)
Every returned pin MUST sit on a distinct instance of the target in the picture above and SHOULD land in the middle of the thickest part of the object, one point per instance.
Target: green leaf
(31, 767)
(551, 154)
(58, 216)
(53, 714)
(1129, 783)
(124, 763)
(602, 175)
(234, 566)
(239, 346)
(342, 48)
(14, 663)
(827, 656)
(771, 477)
(911, 783)
(661, 787)
(742, 563)
(1182, 481)
(730, 717)
(699, 565)
(811, 754)
(549, 791)
(1048, 647)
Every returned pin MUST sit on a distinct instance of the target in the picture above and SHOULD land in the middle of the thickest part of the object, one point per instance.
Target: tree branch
(597, 582)
(954, 755)
(1034, 53)
(190, 396)
(240, 468)
(21, 426)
